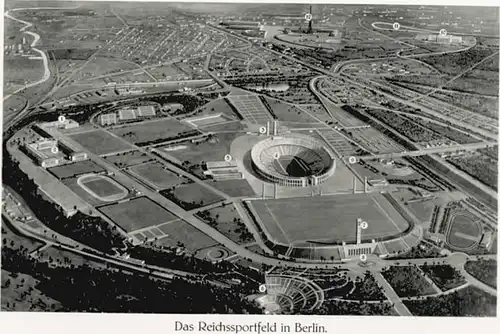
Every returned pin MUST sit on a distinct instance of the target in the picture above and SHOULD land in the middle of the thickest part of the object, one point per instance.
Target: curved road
(46, 73)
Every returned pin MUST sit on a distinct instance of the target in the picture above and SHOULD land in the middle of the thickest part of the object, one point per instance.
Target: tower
(358, 231)
(310, 29)
(366, 185)
(354, 184)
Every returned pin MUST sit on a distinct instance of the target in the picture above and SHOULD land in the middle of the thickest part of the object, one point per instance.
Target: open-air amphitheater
(293, 160)
(286, 293)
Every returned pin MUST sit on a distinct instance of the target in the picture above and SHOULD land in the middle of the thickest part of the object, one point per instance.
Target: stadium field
(100, 142)
(328, 219)
(464, 232)
(137, 213)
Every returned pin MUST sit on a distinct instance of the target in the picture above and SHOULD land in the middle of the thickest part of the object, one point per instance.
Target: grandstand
(293, 160)
(400, 245)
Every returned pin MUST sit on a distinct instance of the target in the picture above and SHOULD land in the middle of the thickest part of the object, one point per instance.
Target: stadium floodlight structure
(294, 160)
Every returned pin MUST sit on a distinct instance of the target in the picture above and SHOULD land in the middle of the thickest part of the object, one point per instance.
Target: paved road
(415, 105)
(413, 29)
(454, 78)
(433, 150)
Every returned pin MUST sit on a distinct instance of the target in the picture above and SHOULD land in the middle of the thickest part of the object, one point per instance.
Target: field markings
(465, 236)
(276, 222)
(139, 231)
(386, 214)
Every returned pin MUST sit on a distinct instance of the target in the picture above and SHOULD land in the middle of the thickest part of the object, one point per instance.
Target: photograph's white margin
(87, 323)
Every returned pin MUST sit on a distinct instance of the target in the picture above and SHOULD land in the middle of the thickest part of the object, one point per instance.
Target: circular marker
(308, 17)
(62, 119)
(228, 157)
(443, 32)
(276, 155)
(262, 129)
(352, 160)
(364, 225)
(363, 257)
(54, 150)
(396, 26)
(262, 288)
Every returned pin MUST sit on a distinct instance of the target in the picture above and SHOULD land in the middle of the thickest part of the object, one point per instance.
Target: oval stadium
(293, 160)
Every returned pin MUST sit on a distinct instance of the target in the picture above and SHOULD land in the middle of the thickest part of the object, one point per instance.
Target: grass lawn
(211, 150)
(151, 131)
(137, 213)
(227, 221)
(464, 232)
(444, 276)
(76, 168)
(127, 158)
(408, 281)
(469, 301)
(181, 232)
(483, 270)
(234, 188)
(20, 293)
(100, 142)
(422, 209)
(16, 241)
(103, 187)
(157, 175)
(289, 113)
(191, 196)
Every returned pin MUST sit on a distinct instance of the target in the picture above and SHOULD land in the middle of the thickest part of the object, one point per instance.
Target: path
(391, 295)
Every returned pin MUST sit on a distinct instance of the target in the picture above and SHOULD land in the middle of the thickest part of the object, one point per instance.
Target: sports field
(464, 232)
(195, 194)
(127, 158)
(102, 187)
(75, 169)
(151, 131)
(157, 175)
(211, 150)
(290, 113)
(137, 213)
(328, 218)
(181, 232)
(233, 188)
(251, 108)
(100, 142)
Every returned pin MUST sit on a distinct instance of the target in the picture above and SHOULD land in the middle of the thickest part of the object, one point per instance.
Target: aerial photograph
(256, 158)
